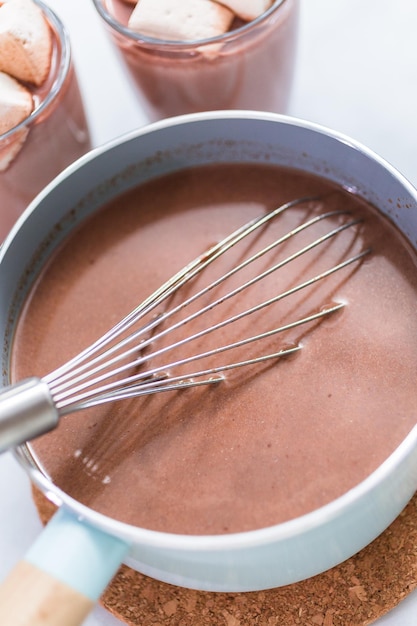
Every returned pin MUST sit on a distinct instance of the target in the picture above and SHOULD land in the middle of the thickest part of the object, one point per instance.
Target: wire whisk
(138, 357)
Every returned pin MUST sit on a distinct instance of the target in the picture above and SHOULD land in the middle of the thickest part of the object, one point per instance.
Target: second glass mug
(250, 67)
(54, 135)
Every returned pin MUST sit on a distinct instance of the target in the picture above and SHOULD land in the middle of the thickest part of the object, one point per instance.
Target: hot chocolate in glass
(43, 127)
(250, 66)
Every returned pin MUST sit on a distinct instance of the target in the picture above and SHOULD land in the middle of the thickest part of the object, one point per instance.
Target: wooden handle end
(31, 597)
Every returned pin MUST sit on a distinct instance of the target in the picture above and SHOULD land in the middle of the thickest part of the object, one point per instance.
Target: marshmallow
(247, 10)
(25, 41)
(16, 103)
(180, 20)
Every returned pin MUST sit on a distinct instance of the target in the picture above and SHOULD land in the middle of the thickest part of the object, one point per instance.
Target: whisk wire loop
(79, 383)
(205, 259)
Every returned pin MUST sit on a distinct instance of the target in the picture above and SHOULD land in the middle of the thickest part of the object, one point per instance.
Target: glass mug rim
(153, 42)
(62, 71)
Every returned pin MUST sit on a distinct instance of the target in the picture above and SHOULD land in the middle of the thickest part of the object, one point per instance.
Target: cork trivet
(355, 593)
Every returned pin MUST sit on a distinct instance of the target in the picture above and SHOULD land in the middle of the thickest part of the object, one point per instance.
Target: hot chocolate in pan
(271, 442)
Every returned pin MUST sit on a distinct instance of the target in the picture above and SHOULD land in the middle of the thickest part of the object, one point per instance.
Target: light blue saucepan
(79, 551)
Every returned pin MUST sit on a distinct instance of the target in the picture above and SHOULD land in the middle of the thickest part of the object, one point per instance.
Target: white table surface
(356, 73)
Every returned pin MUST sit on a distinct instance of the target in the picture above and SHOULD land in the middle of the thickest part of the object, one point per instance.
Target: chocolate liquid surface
(272, 441)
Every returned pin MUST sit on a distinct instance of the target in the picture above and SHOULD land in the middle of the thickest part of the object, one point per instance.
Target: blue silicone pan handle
(62, 576)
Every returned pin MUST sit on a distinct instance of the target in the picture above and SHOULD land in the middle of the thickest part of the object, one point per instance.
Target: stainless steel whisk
(111, 368)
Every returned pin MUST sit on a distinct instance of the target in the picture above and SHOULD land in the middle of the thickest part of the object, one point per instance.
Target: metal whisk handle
(27, 410)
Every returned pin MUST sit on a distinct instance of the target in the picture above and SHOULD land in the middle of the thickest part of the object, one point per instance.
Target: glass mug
(50, 138)
(249, 67)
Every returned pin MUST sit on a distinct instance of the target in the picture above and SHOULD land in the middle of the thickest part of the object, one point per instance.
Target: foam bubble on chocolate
(25, 41)
(184, 20)
(247, 10)
(16, 104)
